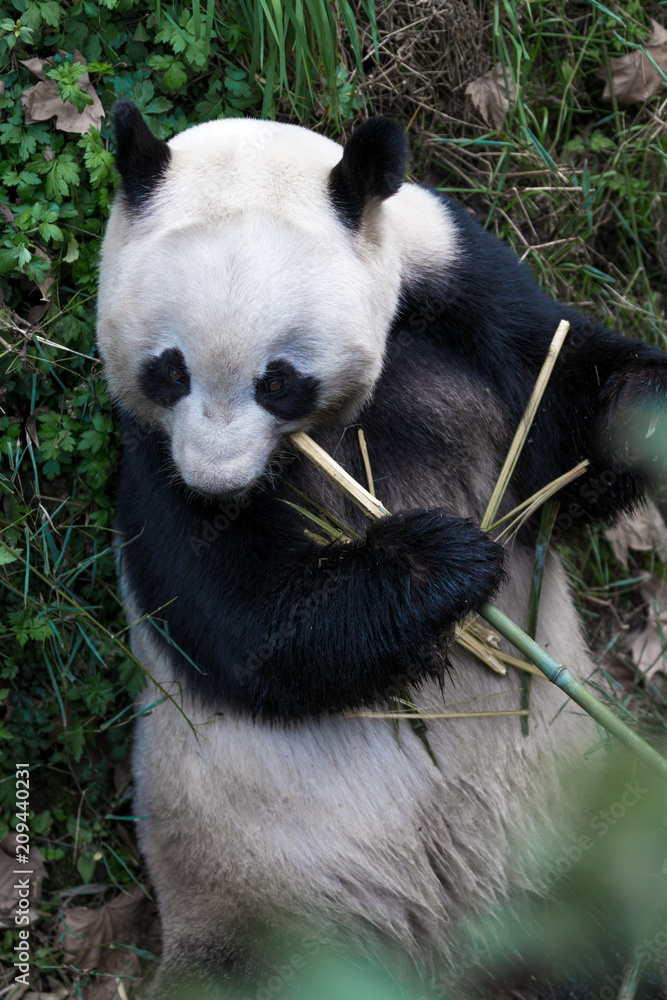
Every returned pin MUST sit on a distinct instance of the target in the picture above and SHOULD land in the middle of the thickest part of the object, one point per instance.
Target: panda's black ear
(142, 160)
(372, 168)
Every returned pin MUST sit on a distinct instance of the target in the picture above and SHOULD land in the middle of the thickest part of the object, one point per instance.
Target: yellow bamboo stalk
(525, 424)
(363, 448)
(354, 490)
(432, 715)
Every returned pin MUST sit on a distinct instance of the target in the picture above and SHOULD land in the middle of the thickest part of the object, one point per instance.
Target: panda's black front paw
(636, 425)
(449, 568)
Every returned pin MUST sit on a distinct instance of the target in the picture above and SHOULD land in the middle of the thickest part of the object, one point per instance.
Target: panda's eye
(285, 392)
(164, 378)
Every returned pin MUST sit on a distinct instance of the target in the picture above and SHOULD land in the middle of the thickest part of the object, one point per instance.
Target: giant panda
(259, 279)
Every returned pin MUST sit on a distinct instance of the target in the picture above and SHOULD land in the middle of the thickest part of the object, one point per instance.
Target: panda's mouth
(225, 496)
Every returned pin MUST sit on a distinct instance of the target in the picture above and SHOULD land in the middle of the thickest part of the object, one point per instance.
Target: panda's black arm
(260, 620)
(604, 394)
(490, 317)
(356, 623)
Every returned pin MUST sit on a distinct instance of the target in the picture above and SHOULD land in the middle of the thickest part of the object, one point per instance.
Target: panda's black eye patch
(165, 379)
(284, 392)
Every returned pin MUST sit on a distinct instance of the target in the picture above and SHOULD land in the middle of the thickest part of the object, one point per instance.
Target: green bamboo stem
(551, 668)
(563, 679)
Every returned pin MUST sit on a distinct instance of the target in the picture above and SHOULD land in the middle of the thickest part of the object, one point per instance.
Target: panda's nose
(221, 414)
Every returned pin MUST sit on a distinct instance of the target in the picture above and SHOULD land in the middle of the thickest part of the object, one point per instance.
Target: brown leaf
(618, 669)
(45, 285)
(60, 993)
(31, 429)
(492, 95)
(35, 872)
(7, 214)
(122, 774)
(633, 76)
(116, 972)
(36, 66)
(648, 650)
(86, 932)
(642, 531)
(36, 313)
(43, 101)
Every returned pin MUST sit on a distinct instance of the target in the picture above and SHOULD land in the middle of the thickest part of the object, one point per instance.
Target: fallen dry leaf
(86, 932)
(36, 313)
(59, 993)
(9, 880)
(122, 774)
(43, 101)
(7, 214)
(642, 531)
(633, 76)
(31, 429)
(45, 285)
(116, 973)
(648, 646)
(492, 95)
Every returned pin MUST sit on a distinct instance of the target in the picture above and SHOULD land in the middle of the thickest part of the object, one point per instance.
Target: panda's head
(248, 282)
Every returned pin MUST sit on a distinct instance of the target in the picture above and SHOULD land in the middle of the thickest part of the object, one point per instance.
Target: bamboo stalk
(433, 715)
(477, 647)
(563, 679)
(524, 426)
(363, 448)
(523, 511)
(550, 667)
(354, 490)
(514, 661)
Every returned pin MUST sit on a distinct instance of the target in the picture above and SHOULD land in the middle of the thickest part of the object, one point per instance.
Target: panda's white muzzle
(218, 456)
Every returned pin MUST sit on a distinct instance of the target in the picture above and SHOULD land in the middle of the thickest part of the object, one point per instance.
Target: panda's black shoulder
(482, 311)
(487, 270)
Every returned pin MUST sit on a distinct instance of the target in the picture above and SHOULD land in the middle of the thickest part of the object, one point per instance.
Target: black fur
(295, 399)
(157, 378)
(141, 158)
(278, 626)
(269, 624)
(372, 168)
